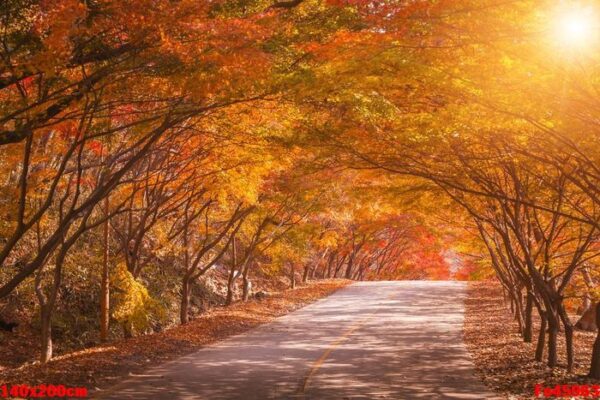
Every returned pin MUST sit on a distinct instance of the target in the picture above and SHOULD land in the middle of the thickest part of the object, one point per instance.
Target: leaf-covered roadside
(504, 362)
(101, 366)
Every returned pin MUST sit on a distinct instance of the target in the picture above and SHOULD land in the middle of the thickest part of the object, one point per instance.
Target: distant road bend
(371, 340)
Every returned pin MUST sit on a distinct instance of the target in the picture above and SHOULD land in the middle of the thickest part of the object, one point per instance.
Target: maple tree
(145, 144)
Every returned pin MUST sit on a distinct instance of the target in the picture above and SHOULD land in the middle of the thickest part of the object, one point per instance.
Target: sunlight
(576, 27)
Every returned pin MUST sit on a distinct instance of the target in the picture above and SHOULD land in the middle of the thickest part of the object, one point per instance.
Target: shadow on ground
(375, 340)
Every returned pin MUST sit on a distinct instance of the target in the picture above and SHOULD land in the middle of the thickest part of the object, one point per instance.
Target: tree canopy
(144, 144)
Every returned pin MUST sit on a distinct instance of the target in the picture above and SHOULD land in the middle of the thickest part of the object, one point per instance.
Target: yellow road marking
(321, 360)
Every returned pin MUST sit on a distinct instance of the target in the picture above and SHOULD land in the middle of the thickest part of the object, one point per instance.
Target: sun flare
(576, 27)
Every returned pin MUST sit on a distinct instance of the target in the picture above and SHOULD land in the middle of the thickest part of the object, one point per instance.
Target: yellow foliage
(133, 304)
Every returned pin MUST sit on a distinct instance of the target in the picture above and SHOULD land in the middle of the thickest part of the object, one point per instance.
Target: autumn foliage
(150, 146)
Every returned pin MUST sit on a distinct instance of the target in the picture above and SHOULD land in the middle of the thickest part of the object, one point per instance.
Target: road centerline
(335, 344)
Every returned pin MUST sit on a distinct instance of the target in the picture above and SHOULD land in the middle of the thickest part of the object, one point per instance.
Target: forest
(160, 157)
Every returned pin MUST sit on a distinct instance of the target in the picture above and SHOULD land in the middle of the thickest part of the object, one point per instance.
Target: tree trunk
(313, 271)
(519, 311)
(46, 320)
(595, 365)
(528, 328)
(541, 343)
(47, 303)
(230, 281)
(552, 339)
(339, 266)
(127, 329)
(512, 305)
(348, 274)
(587, 299)
(569, 343)
(247, 289)
(587, 303)
(305, 274)
(232, 270)
(568, 327)
(315, 267)
(293, 276)
(247, 285)
(105, 283)
(185, 300)
(185, 284)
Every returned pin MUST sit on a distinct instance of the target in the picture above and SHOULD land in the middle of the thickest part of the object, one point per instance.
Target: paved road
(371, 340)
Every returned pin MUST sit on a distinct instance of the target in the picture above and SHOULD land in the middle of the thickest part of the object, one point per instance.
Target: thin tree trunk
(348, 274)
(519, 311)
(293, 275)
(568, 327)
(247, 285)
(231, 278)
(247, 288)
(127, 329)
(512, 307)
(339, 266)
(46, 320)
(313, 271)
(185, 300)
(105, 283)
(595, 364)
(45, 316)
(541, 343)
(587, 299)
(315, 267)
(185, 284)
(47, 304)
(528, 328)
(305, 274)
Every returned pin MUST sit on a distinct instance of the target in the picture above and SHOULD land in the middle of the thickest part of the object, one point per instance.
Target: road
(370, 340)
